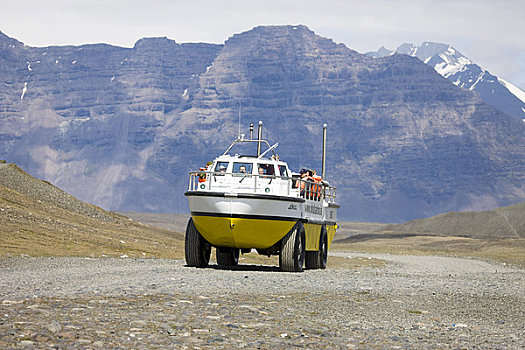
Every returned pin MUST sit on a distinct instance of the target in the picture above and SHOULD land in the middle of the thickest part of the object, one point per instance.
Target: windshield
(242, 168)
(221, 167)
(265, 169)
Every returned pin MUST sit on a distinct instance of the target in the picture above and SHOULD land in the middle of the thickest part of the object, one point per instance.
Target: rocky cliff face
(86, 117)
(122, 127)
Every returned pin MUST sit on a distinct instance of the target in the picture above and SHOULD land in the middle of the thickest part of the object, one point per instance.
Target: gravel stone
(414, 302)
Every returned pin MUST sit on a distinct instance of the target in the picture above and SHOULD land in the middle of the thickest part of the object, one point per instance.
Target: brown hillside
(38, 219)
(505, 222)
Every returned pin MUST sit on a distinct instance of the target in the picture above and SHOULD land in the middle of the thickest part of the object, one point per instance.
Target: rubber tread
(196, 249)
(317, 259)
(227, 256)
(292, 254)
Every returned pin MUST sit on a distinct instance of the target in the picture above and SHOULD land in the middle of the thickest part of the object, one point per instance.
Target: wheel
(291, 256)
(317, 259)
(227, 256)
(196, 248)
(323, 248)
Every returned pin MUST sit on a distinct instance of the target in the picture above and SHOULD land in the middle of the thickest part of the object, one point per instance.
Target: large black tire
(317, 259)
(196, 248)
(291, 256)
(227, 256)
(323, 258)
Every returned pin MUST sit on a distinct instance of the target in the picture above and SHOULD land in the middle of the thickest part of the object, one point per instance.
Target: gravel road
(412, 302)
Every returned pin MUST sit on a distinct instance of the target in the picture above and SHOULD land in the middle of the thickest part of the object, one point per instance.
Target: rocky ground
(412, 302)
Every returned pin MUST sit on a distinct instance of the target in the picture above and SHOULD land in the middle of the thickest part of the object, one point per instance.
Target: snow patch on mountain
(464, 73)
(516, 91)
(480, 77)
(448, 69)
(24, 90)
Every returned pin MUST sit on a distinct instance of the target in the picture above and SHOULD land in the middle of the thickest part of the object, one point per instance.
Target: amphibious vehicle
(243, 202)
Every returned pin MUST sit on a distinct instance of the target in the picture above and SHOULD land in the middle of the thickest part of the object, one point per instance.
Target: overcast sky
(489, 32)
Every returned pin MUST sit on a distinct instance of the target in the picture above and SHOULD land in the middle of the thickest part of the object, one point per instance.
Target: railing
(210, 180)
(315, 191)
(329, 194)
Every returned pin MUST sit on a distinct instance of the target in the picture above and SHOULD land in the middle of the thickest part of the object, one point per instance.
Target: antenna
(240, 107)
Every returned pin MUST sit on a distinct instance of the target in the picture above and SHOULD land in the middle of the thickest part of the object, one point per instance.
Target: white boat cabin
(259, 175)
(249, 174)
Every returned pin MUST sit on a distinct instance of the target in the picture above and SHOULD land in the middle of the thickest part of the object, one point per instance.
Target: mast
(239, 133)
(259, 138)
(323, 172)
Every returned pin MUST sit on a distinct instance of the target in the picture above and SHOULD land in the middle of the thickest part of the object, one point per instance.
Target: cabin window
(221, 167)
(265, 169)
(242, 168)
(282, 170)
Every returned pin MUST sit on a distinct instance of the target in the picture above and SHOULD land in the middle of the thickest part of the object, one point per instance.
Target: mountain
(506, 222)
(86, 118)
(462, 72)
(121, 127)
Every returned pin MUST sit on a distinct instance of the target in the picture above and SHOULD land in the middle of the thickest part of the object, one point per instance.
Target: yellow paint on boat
(241, 233)
(312, 233)
(330, 230)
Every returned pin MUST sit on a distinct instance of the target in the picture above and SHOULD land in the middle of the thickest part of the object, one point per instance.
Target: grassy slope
(32, 224)
(506, 222)
(496, 234)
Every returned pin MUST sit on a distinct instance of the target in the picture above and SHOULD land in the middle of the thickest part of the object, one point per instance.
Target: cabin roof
(247, 159)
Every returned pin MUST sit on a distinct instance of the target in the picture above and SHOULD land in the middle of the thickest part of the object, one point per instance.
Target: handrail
(243, 140)
(304, 188)
(268, 150)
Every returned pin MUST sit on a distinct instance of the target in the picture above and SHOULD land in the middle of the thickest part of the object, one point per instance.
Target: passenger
(242, 169)
(318, 186)
(301, 183)
(261, 171)
(202, 174)
(222, 169)
(312, 185)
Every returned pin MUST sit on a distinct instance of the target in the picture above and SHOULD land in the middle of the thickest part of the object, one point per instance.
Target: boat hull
(243, 220)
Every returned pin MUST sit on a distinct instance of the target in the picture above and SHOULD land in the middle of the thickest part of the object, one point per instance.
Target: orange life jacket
(301, 182)
(317, 187)
(307, 186)
(202, 176)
